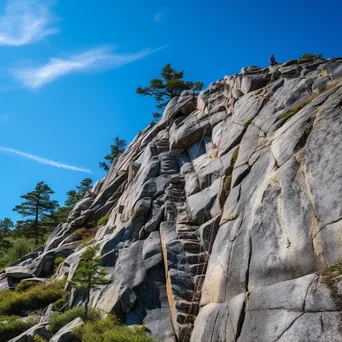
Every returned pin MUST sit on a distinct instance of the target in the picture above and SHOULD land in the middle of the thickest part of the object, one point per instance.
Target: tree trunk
(36, 232)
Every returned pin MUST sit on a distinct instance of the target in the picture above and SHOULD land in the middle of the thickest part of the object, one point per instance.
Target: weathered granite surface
(223, 215)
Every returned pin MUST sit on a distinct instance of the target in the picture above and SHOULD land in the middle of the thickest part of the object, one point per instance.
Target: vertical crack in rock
(288, 328)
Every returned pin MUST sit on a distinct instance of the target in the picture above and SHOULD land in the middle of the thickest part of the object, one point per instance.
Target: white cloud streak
(158, 17)
(94, 59)
(26, 22)
(43, 160)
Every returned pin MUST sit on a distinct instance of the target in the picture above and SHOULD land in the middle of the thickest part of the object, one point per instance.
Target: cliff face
(223, 215)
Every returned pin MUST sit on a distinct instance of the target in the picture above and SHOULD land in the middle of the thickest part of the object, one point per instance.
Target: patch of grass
(85, 235)
(35, 297)
(104, 219)
(235, 156)
(12, 326)
(109, 330)
(24, 285)
(248, 122)
(331, 276)
(225, 190)
(59, 320)
(59, 304)
(295, 109)
(37, 338)
(117, 194)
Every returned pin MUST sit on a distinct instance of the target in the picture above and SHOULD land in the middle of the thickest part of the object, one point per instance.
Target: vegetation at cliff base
(12, 326)
(109, 330)
(59, 320)
(169, 85)
(36, 297)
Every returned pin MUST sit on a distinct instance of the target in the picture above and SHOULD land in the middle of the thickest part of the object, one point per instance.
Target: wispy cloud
(158, 17)
(25, 22)
(43, 160)
(4, 118)
(94, 59)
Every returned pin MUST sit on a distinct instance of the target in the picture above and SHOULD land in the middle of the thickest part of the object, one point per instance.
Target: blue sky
(69, 70)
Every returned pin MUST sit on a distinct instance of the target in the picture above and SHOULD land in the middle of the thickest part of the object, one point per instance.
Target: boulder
(18, 272)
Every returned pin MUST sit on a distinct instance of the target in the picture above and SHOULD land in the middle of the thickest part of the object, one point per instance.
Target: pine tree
(84, 186)
(89, 275)
(37, 206)
(170, 85)
(76, 195)
(116, 149)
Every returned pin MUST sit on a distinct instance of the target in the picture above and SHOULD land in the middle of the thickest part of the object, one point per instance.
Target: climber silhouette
(273, 60)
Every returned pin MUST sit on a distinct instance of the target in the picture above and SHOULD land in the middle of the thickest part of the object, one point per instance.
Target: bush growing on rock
(24, 285)
(36, 297)
(109, 330)
(309, 55)
(104, 219)
(59, 320)
(59, 304)
(12, 326)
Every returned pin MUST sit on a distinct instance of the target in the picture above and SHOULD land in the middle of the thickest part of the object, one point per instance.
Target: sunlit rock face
(223, 215)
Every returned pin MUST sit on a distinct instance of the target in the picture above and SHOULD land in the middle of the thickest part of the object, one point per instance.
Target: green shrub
(13, 327)
(104, 219)
(24, 285)
(117, 194)
(109, 330)
(59, 320)
(85, 234)
(18, 248)
(60, 303)
(36, 297)
(331, 276)
(309, 55)
(37, 338)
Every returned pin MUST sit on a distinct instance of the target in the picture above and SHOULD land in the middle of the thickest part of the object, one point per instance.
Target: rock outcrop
(223, 215)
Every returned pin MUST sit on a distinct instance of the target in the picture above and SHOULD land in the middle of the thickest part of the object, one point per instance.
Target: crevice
(241, 319)
(322, 324)
(289, 327)
(248, 265)
(213, 331)
(315, 280)
(242, 176)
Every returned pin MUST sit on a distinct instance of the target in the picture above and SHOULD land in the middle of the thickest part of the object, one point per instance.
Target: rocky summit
(224, 218)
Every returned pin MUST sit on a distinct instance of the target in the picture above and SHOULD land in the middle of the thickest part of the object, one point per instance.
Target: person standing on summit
(273, 60)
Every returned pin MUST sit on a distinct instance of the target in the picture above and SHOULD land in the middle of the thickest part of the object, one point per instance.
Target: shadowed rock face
(223, 214)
